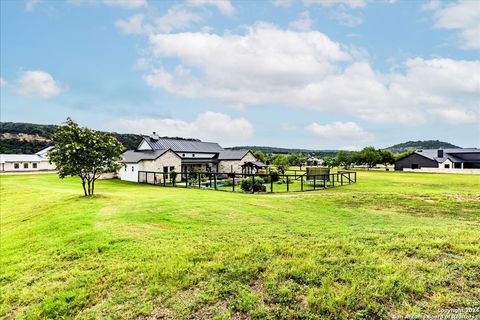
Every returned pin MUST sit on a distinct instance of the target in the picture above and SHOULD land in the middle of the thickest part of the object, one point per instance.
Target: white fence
(442, 170)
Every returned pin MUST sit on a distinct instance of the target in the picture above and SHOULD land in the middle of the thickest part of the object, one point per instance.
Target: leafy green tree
(85, 153)
(330, 162)
(297, 160)
(370, 156)
(387, 157)
(260, 156)
(344, 158)
(281, 162)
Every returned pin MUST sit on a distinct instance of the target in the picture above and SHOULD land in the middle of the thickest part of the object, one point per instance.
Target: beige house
(17, 163)
(164, 155)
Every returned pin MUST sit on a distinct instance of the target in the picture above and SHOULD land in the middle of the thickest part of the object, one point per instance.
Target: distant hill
(29, 138)
(277, 150)
(420, 144)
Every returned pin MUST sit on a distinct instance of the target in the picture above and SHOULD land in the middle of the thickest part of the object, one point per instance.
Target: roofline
(161, 154)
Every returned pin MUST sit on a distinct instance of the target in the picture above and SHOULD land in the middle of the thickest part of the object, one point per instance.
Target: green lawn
(392, 244)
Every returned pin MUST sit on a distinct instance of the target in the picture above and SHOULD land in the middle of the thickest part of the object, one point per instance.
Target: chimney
(154, 136)
(440, 153)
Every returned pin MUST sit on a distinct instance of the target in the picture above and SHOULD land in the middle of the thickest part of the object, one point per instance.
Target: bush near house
(246, 185)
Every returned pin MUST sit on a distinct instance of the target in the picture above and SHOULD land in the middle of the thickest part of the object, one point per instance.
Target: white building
(163, 155)
(26, 162)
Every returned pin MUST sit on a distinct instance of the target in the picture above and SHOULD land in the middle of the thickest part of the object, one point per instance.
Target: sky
(317, 74)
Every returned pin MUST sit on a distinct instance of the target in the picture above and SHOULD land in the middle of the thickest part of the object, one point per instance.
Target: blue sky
(317, 74)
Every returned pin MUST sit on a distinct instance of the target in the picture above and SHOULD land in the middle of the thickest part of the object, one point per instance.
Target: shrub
(246, 185)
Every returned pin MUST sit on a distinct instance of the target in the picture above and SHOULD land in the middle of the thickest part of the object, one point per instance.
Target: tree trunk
(83, 185)
(89, 190)
(93, 186)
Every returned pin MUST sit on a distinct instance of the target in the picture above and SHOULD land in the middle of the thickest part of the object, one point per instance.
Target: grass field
(392, 244)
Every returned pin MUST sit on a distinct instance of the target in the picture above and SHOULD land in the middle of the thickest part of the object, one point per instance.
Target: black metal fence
(251, 183)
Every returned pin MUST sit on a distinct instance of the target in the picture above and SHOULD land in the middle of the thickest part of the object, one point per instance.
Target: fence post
(214, 180)
(355, 176)
(314, 182)
(287, 184)
(233, 184)
(199, 181)
(186, 180)
(341, 178)
(301, 183)
(210, 180)
(271, 183)
(253, 183)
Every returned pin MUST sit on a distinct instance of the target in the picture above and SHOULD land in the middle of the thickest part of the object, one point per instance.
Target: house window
(193, 155)
(172, 169)
(457, 165)
(165, 169)
(447, 166)
(414, 165)
(183, 154)
(16, 165)
(25, 166)
(133, 168)
(34, 165)
(125, 168)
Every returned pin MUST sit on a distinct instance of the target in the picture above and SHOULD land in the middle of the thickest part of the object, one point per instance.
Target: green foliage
(297, 160)
(420, 144)
(404, 154)
(345, 158)
(369, 156)
(387, 157)
(260, 156)
(246, 184)
(281, 162)
(330, 162)
(85, 153)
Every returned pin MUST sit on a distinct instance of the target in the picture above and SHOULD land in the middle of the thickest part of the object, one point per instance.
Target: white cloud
(37, 84)
(126, 4)
(134, 25)
(345, 18)
(269, 65)
(208, 126)
(330, 3)
(30, 4)
(457, 116)
(282, 3)
(3, 82)
(176, 18)
(340, 133)
(304, 23)
(463, 16)
(224, 6)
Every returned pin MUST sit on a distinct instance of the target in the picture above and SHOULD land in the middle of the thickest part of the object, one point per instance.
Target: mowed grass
(393, 244)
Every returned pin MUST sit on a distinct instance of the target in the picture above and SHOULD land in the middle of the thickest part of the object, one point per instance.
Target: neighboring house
(26, 162)
(163, 155)
(314, 161)
(441, 160)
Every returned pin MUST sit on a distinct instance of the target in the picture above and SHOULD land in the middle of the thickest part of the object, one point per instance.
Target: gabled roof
(455, 155)
(132, 156)
(179, 145)
(39, 156)
(232, 154)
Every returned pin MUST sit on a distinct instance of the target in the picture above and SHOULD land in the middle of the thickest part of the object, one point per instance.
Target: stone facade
(235, 165)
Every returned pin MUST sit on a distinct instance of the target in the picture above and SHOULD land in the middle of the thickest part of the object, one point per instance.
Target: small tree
(387, 157)
(370, 156)
(85, 153)
(281, 162)
(344, 158)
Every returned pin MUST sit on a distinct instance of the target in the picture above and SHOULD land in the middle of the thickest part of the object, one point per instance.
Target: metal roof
(455, 155)
(21, 158)
(232, 154)
(132, 156)
(179, 145)
(39, 156)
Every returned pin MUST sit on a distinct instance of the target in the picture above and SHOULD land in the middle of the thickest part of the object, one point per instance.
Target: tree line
(368, 156)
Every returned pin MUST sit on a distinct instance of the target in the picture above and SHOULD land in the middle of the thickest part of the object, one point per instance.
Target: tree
(370, 156)
(281, 162)
(387, 157)
(85, 153)
(330, 162)
(344, 158)
(297, 159)
(259, 155)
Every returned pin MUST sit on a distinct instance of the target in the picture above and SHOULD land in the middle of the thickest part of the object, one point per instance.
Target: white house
(163, 155)
(26, 162)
